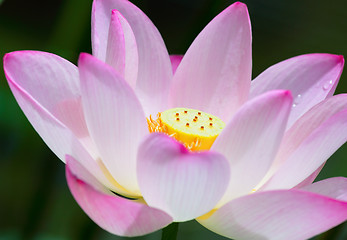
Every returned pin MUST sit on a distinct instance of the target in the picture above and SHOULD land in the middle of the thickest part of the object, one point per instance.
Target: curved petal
(181, 183)
(115, 214)
(310, 78)
(154, 69)
(251, 139)
(332, 187)
(309, 180)
(114, 117)
(55, 134)
(175, 61)
(215, 73)
(52, 81)
(122, 49)
(277, 215)
(309, 143)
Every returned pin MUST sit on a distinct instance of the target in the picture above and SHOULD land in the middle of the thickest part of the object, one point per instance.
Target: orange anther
(185, 111)
(177, 119)
(187, 124)
(194, 119)
(199, 113)
(210, 119)
(177, 114)
(202, 127)
(211, 124)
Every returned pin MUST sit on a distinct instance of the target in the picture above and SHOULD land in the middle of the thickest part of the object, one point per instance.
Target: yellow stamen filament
(121, 190)
(207, 215)
(189, 128)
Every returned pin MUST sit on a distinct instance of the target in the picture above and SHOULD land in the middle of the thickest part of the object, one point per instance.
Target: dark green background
(35, 202)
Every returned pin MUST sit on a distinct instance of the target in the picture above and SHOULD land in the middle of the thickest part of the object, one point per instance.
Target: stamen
(177, 119)
(187, 124)
(202, 127)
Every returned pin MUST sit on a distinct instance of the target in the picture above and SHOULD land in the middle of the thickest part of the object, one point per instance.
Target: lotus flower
(147, 141)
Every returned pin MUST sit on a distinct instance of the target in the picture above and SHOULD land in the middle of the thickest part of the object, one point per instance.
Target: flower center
(195, 129)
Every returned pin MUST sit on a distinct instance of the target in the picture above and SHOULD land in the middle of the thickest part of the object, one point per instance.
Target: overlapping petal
(309, 143)
(181, 183)
(277, 215)
(332, 187)
(114, 117)
(114, 214)
(215, 73)
(310, 78)
(122, 49)
(175, 61)
(154, 68)
(56, 135)
(251, 140)
(37, 73)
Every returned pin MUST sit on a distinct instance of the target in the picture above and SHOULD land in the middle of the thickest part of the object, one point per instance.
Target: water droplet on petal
(327, 85)
(297, 100)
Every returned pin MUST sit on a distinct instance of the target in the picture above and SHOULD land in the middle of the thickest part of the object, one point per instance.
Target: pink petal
(154, 68)
(310, 78)
(51, 81)
(175, 61)
(122, 49)
(56, 135)
(215, 73)
(251, 139)
(309, 143)
(181, 183)
(309, 180)
(332, 187)
(115, 214)
(114, 117)
(277, 215)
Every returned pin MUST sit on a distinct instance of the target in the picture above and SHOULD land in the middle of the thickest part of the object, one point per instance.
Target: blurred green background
(35, 202)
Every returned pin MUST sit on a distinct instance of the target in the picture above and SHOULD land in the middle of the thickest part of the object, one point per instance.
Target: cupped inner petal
(184, 184)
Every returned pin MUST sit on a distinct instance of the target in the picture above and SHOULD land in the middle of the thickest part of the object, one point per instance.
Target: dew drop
(326, 86)
(297, 100)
